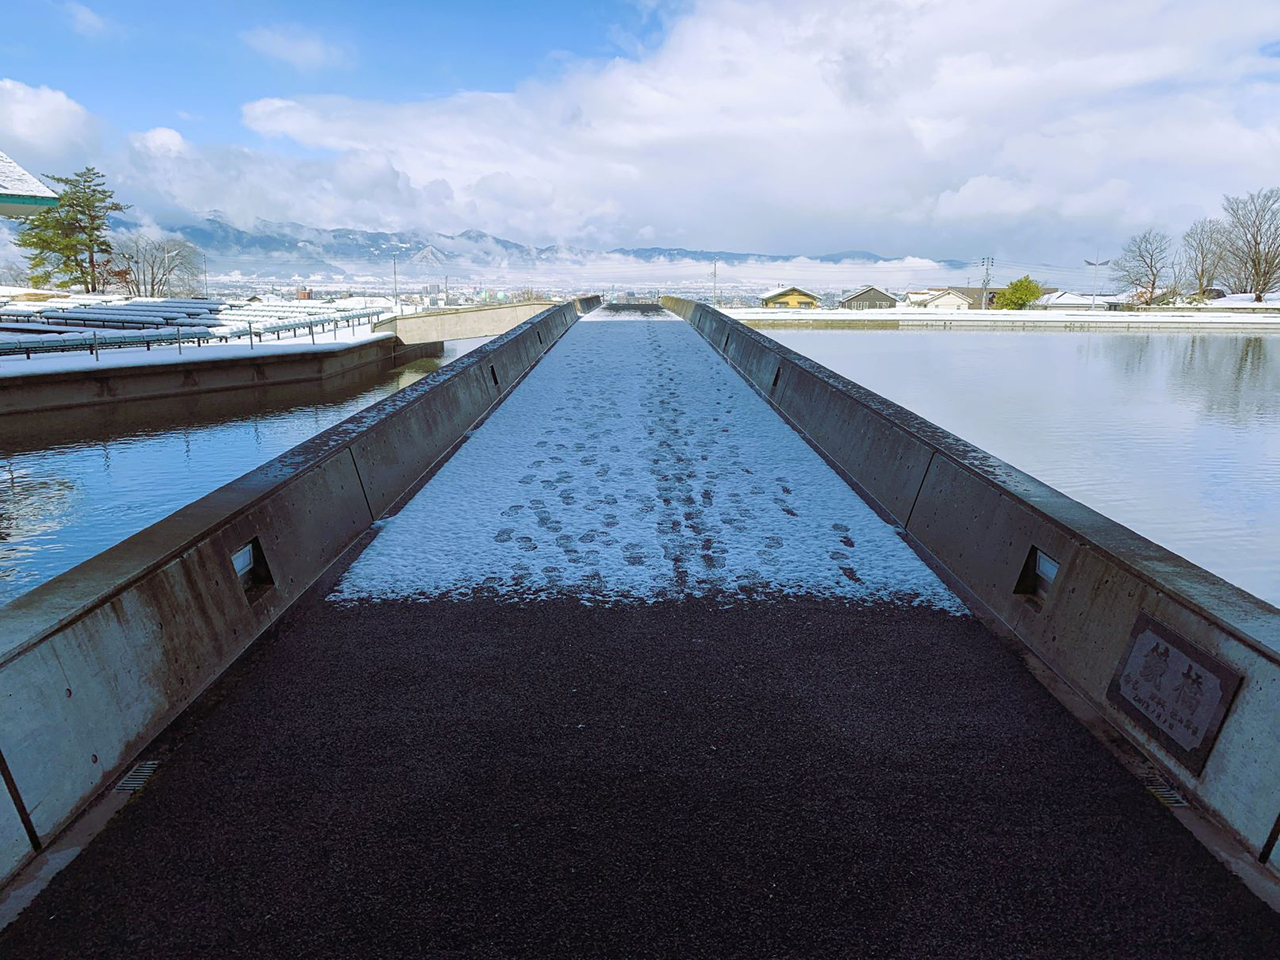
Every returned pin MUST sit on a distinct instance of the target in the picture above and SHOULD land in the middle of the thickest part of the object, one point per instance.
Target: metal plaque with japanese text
(1175, 691)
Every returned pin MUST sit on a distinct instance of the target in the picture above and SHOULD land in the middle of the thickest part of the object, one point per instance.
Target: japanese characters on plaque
(1177, 692)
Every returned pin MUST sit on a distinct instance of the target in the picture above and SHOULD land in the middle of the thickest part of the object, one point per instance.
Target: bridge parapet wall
(981, 522)
(466, 323)
(96, 662)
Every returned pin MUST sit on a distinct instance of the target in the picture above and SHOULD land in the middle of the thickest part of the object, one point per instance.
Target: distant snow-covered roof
(863, 289)
(357, 303)
(16, 182)
(1063, 297)
(21, 193)
(781, 290)
(939, 294)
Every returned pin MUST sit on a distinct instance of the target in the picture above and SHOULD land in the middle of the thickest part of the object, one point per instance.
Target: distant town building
(790, 298)
(975, 295)
(868, 298)
(1061, 300)
(946, 299)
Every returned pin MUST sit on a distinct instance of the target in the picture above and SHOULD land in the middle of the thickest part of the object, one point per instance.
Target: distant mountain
(285, 251)
(657, 254)
(849, 255)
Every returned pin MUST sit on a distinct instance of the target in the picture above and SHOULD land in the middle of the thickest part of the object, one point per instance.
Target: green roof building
(21, 193)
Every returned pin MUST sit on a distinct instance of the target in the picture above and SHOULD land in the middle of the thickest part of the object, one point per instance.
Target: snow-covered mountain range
(283, 250)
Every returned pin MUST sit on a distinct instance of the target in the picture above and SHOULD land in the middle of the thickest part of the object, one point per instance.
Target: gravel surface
(786, 778)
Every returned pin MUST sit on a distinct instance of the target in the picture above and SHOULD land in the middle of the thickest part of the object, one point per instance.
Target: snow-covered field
(17, 366)
(634, 463)
(1244, 301)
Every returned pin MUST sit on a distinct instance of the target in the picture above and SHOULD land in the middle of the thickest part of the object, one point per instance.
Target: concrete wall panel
(28, 393)
(15, 848)
(393, 453)
(77, 706)
(461, 324)
(888, 463)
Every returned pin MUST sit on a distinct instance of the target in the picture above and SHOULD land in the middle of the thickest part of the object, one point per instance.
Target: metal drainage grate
(136, 778)
(1162, 790)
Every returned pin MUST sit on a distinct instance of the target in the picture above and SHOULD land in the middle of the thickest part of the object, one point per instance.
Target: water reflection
(1174, 435)
(73, 483)
(1234, 378)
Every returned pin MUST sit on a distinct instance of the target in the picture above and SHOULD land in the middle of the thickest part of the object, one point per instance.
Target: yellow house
(790, 298)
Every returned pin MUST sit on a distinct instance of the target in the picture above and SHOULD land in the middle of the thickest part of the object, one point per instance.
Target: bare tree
(158, 267)
(1202, 254)
(14, 275)
(1177, 280)
(1145, 264)
(1251, 242)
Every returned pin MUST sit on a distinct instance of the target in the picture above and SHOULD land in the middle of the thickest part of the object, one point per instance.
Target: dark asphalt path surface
(773, 779)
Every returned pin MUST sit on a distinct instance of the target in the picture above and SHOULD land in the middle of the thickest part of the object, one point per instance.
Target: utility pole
(987, 263)
(165, 278)
(715, 263)
(446, 289)
(395, 284)
(204, 259)
(1093, 300)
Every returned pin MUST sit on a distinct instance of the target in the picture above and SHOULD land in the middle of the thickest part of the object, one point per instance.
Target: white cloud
(988, 196)
(296, 46)
(800, 127)
(162, 142)
(42, 127)
(827, 123)
(84, 21)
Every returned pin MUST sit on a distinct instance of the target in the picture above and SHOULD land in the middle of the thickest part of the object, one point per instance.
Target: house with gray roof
(868, 298)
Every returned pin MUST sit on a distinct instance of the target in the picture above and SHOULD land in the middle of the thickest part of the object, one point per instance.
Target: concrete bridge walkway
(769, 732)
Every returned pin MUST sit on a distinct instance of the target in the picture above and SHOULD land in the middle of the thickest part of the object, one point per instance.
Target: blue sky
(779, 126)
(138, 65)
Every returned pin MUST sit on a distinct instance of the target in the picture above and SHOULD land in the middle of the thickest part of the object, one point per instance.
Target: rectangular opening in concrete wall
(725, 345)
(493, 373)
(250, 564)
(539, 333)
(1039, 571)
(776, 374)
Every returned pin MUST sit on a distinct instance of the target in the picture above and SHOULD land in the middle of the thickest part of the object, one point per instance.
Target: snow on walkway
(634, 463)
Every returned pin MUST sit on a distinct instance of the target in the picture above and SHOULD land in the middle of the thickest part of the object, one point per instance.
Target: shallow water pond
(74, 483)
(1174, 435)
